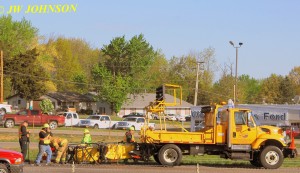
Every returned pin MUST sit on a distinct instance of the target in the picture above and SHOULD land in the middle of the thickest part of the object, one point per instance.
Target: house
(137, 103)
(64, 100)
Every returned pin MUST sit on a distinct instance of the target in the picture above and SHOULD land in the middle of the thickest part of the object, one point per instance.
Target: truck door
(105, 122)
(243, 130)
(34, 118)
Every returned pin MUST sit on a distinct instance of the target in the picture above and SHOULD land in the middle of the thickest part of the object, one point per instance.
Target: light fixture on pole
(236, 70)
(197, 81)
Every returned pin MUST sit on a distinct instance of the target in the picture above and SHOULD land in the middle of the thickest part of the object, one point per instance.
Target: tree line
(34, 65)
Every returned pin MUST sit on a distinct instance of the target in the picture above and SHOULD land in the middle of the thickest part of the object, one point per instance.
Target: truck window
(34, 112)
(140, 120)
(69, 116)
(24, 112)
(106, 118)
(240, 118)
(75, 116)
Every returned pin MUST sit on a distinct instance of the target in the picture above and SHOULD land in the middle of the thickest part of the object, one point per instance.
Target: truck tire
(170, 155)
(9, 123)
(96, 126)
(156, 159)
(2, 111)
(53, 124)
(271, 157)
(3, 168)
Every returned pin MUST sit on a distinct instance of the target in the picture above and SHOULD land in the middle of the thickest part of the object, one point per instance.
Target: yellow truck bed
(162, 136)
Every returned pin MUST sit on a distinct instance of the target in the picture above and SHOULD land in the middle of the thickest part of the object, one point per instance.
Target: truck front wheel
(53, 124)
(3, 168)
(271, 157)
(170, 155)
(9, 123)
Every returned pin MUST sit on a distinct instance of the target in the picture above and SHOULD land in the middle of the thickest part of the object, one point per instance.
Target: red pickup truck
(11, 161)
(34, 117)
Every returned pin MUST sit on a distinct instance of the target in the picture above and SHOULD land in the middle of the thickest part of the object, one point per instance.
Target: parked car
(97, 122)
(155, 116)
(134, 114)
(180, 118)
(170, 117)
(135, 122)
(71, 119)
(11, 161)
(35, 117)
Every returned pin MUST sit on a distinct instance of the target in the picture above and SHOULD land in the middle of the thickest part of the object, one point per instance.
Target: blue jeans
(42, 149)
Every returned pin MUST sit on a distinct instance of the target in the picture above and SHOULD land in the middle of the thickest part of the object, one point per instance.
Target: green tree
(16, 37)
(287, 90)
(294, 75)
(249, 89)
(270, 89)
(125, 62)
(27, 77)
(46, 106)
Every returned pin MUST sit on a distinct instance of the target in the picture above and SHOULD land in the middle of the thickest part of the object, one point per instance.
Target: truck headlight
(283, 140)
(18, 161)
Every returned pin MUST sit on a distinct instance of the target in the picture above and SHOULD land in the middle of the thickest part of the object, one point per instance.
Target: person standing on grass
(44, 145)
(87, 137)
(24, 138)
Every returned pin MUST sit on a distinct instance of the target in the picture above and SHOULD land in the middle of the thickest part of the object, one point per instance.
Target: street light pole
(236, 70)
(197, 81)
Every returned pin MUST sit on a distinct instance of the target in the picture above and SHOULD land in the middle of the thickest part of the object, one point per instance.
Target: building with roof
(137, 103)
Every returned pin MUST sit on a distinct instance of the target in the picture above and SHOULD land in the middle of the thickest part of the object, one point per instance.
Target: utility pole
(197, 81)
(1, 78)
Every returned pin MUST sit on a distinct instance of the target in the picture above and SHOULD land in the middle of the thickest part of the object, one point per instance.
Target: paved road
(114, 168)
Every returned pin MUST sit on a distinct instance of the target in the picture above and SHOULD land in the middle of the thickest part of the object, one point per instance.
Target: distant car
(135, 122)
(11, 161)
(134, 114)
(96, 121)
(155, 116)
(170, 117)
(180, 118)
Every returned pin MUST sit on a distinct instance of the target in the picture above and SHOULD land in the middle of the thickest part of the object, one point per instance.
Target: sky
(268, 29)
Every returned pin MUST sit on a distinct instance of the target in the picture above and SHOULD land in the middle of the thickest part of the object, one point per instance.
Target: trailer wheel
(170, 155)
(156, 159)
(271, 157)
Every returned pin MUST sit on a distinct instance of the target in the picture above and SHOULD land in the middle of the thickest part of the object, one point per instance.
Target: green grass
(13, 137)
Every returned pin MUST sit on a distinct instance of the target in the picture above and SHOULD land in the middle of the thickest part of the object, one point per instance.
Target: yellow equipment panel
(119, 151)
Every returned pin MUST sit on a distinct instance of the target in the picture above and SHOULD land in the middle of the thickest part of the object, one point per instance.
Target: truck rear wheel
(9, 123)
(271, 157)
(53, 124)
(170, 155)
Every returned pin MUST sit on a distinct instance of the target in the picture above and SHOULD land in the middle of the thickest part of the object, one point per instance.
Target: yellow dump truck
(234, 136)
